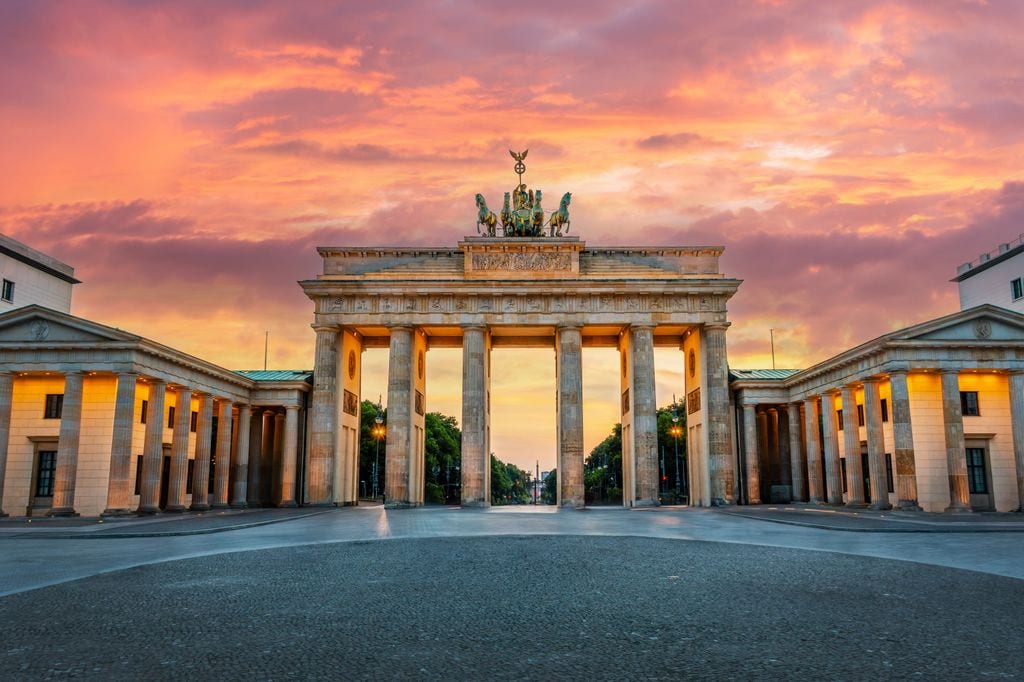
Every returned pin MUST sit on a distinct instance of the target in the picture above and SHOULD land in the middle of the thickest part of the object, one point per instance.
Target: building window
(839, 417)
(860, 415)
(885, 410)
(170, 417)
(977, 481)
(842, 465)
(1016, 288)
(145, 409)
(888, 473)
(46, 470)
(54, 406)
(969, 403)
(7, 293)
(194, 422)
(138, 473)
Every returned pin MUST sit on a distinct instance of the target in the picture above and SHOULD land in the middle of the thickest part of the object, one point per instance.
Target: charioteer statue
(522, 214)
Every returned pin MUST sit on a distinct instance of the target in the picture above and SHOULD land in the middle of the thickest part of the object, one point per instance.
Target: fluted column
(119, 483)
(273, 497)
(903, 443)
(6, 399)
(252, 494)
(876, 445)
(763, 455)
(288, 457)
(67, 447)
(400, 368)
(240, 458)
(956, 454)
(776, 492)
(201, 469)
(851, 451)
(830, 446)
(569, 371)
(222, 465)
(153, 449)
(815, 484)
(782, 442)
(750, 448)
(798, 463)
(474, 417)
(645, 415)
(718, 419)
(178, 477)
(323, 412)
(1017, 425)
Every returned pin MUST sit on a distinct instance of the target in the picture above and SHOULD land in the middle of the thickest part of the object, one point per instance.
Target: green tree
(602, 470)
(443, 459)
(501, 482)
(369, 447)
(549, 494)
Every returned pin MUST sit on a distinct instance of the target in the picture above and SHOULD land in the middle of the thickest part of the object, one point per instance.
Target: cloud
(670, 141)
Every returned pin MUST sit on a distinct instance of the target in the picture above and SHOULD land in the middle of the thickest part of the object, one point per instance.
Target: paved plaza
(512, 593)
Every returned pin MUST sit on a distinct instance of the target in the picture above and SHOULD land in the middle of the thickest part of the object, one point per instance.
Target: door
(978, 483)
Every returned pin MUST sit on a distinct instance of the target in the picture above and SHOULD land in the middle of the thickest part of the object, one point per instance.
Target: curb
(821, 526)
(32, 535)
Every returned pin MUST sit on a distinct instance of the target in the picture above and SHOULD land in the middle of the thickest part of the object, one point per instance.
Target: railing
(986, 257)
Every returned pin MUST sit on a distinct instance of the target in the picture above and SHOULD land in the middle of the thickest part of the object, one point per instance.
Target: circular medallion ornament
(351, 364)
(40, 330)
(983, 329)
(692, 363)
(419, 364)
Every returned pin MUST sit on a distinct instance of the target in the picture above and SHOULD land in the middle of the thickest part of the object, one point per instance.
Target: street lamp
(379, 432)
(676, 431)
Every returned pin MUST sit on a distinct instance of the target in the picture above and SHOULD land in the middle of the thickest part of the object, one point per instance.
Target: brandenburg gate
(529, 286)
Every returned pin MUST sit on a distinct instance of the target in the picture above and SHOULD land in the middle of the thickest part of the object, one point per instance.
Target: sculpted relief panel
(521, 261)
(523, 303)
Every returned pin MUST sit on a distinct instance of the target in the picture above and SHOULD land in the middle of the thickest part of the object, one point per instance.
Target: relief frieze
(521, 261)
(521, 303)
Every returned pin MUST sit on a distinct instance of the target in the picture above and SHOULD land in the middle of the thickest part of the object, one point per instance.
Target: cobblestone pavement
(518, 607)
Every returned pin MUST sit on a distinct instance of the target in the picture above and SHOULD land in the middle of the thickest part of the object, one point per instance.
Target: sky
(187, 158)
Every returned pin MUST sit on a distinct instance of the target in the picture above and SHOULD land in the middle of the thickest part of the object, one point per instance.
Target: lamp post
(676, 431)
(378, 433)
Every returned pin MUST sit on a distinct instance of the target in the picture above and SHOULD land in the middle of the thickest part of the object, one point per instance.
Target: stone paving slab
(189, 523)
(870, 521)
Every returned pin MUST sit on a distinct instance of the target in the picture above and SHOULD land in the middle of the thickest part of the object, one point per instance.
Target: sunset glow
(187, 158)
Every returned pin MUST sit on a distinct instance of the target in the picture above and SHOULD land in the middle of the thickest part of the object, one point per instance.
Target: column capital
(73, 372)
(870, 380)
(318, 328)
(475, 326)
(291, 408)
(643, 325)
(898, 372)
(568, 327)
(812, 400)
(154, 382)
(128, 374)
(717, 326)
(950, 371)
(401, 327)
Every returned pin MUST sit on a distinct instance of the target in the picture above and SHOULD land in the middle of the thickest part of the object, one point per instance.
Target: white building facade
(996, 277)
(30, 277)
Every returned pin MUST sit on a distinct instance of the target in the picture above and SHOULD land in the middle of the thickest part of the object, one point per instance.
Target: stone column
(798, 463)
(222, 467)
(763, 456)
(201, 469)
(750, 449)
(830, 446)
(288, 458)
(474, 417)
(903, 443)
(276, 460)
(956, 454)
(645, 417)
(252, 494)
(1017, 425)
(815, 485)
(569, 372)
(876, 445)
(782, 442)
(153, 449)
(396, 484)
(67, 447)
(775, 491)
(179, 452)
(240, 493)
(851, 451)
(6, 399)
(119, 484)
(323, 412)
(723, 475)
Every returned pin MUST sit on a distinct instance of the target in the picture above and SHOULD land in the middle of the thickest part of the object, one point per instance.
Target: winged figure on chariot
(522, 213)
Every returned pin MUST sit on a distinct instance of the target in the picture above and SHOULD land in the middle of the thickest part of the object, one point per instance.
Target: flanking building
(996, 277)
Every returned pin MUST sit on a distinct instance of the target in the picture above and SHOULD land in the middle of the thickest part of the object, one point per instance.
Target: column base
(817, 501)
(879, 506)
(240, 505)
(147, 511)
(908, 505)
(174, 509)
(116, 512)
(642, 504)
(751, 503)
(475, 504)
(291, 503)
(62, 512)
(199, 507)
(220, 505)
(957, 509)
(721, 502)
(399, 505)
(4, 515)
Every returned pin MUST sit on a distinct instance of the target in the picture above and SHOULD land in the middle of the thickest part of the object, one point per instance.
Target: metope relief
(521, 261)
